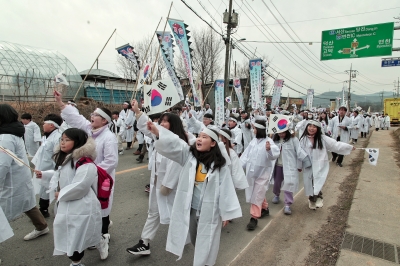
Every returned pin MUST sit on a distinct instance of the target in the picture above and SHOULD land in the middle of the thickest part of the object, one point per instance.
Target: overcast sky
(79, 29)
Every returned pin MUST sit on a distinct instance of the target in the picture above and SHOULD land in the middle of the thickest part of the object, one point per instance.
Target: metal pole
(348, 97)
(76, 94)
(227, 43)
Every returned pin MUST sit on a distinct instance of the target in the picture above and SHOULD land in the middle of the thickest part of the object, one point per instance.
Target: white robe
(387, 121)
(238, 175)
(77, 223)
(237, 139)
(258, 164)
(247, 133)
(43, 160)
(366, 125)
(128, 119)
(290, 164)
(336, 131)
(16, 189)
(32, 138)
(106, 145)
(219, 202)
(315, 176)
(356, 124)
(5, 229)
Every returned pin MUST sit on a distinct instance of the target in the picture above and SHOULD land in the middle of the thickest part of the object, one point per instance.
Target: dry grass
(396, 137)
(325, 245)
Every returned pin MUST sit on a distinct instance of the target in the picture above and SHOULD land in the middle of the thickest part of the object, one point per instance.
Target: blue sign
(389, 62)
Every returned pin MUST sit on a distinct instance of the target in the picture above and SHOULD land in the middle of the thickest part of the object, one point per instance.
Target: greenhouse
(27, 73)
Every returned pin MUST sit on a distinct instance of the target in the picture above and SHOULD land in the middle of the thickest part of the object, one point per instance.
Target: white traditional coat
(128, 119)
(356, 124)
(336, 131)
(77, 223)
(219, 202)
(290, 163)
(238, 175)
(43, 160)
(5, 229)
(32, 138)
(376, 121)
(301, 126)
(387, 121)
(237, 139)
(106, 145)
(16, 189)
(315, 176)
(366, 125)
(258, 164)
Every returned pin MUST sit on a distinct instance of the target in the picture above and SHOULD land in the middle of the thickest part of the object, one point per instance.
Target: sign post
(357, 42)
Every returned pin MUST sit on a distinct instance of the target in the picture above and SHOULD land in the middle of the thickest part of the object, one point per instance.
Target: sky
(79, 30)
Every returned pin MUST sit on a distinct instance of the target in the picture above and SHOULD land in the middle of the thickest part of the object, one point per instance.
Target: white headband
(315, 123)
(52, 123)
(103, 114)
(233, 119)
(211, 133)
(259, 126)
(71, 103)
(223, 133)
(126, 103)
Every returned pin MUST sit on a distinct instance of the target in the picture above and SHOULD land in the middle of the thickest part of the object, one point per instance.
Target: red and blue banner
(255, 82)
(128, 52)
(219, 102)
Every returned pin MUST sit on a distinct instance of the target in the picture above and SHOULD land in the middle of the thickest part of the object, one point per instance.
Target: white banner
(238, 90)
(276, 94)
(199, 92)
(219, 102)
(310, 98)
(255, 82)
(278, 122)
(373, 155)
(159, 96)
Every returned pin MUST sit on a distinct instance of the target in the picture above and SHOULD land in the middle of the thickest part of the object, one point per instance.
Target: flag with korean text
(181, 39)
(310, 98)
(238, 90)
(159, 96)
(373, 155)
(61, 78)
(255, 82)
(276, 94)
(219, 102)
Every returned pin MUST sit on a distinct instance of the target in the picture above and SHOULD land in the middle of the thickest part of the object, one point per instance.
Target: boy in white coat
(32, 134)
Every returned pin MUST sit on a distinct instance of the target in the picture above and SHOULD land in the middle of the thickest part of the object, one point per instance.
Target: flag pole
(207, 93)
(159, 45)
(144, 59)
(76, 94)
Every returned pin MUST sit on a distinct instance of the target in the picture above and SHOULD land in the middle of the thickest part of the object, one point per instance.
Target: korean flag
(160, 96)
(373, 155)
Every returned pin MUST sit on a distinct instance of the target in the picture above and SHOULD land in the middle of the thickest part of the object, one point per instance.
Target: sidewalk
(373, 233)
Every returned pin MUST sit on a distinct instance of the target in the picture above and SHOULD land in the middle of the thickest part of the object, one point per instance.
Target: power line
(356, 14)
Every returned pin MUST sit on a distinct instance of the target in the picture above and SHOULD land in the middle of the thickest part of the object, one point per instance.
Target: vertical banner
(238, 90)
(276, 94)
(128, 52)
(181, 38)
(255, 82)
(144, 75)
(344, 98)
(219, 102)
(159, 96)
(310, 98)
(198, 90)
(168, 57)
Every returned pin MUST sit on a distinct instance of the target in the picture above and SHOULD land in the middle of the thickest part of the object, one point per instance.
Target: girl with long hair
(258, 161)
(286, 169)
(316, 145)
(324, 120)
(205, 199)
(78, 220)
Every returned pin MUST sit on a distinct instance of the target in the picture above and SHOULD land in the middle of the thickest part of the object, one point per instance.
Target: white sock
(146, 242)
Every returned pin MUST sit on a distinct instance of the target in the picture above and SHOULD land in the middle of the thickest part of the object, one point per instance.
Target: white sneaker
(103, 247)
(121, 153)
(79, 264)
(34, 234)
(312, 205)
(319, 203)
(110, 225)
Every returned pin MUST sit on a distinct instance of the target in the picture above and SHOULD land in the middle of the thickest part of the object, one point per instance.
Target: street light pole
(227, 50)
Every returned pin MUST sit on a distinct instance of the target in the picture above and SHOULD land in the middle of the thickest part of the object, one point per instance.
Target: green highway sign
(357, 42)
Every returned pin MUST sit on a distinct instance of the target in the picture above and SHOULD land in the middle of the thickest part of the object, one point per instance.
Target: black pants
(128, 144)
(77, 256)
(377, 129)
(105, 224)
(44, 205)
(338, 156)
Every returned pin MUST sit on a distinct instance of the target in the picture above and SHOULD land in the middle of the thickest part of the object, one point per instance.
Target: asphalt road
(129, 214)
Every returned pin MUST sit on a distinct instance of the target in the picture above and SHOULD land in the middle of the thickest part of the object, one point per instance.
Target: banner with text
(276, 94)
(238, 90)
(181, 38)
(255, 82)
(310, 98)
(168, 57)
(159, 96)
(219, 102)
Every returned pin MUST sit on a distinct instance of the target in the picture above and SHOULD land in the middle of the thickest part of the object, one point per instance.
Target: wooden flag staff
(76, 94)
(207, 93)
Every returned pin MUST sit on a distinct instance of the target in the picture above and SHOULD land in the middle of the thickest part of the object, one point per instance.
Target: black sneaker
(45, 213)
(264, 212)
(252, 224)
(339, 164)
(333, 159)
(139, 249)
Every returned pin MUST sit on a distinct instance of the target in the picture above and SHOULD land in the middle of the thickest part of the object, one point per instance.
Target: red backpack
(102, 194)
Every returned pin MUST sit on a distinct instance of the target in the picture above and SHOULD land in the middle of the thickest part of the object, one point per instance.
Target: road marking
(130, 170)
(259, 233)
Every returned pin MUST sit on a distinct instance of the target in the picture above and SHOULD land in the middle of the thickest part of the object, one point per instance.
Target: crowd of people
(213, 162)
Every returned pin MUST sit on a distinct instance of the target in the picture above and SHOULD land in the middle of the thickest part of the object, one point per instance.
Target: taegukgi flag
(160, 96)
(277, 123)
(373, 155)
(61, 78)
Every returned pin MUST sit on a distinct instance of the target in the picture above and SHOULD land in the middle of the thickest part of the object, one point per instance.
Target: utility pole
(396, 88)
(232, 20)
(352, 75)
(382, 100)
